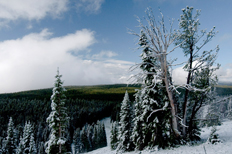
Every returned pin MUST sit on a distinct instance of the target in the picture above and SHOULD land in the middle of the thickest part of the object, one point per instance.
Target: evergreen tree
(27, 132)
(201, 79)
(137, 135)
(198, 60)
(114, 135)
(152, 117)
(102, 134)
(32, 146)
(99, 136)
(77, 141)
(95, 142)
(90, 135)
(10, 145)
(25, 141)
(125, 126)
(85, 140)
(20, 147)
(16, 137)
(57, 119)
(155, 119)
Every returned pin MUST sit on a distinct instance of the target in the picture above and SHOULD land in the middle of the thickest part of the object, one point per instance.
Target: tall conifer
(10, 141)
(27, 140)
(125, 126)
(57, 119)
(151, 122)
(114, 135)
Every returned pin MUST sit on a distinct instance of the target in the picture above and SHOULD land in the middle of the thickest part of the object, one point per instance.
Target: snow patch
(224, 131)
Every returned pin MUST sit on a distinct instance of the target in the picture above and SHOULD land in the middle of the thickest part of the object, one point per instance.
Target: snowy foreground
(224, 131)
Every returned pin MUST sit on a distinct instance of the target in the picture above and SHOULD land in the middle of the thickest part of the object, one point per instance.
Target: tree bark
(194, 111)
(187, 91)
(170, 95)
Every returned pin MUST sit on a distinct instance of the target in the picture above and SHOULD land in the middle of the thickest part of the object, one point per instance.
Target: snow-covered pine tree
(137, 133)
(26, 136)
(24, 144)
(95, 142)
(152, 126)
(125, 126)
(68, 141)
(202, 79)
(90, 135)
(158, 39)
(85, 139)
(57, 119)
(77, 141)
(155, 119)
(114, 135)
(99, 135)
(102, 135)
(10, 145)
(16, 137)
(20, 147)
(229, 109)
(190, 38)
(32, 146)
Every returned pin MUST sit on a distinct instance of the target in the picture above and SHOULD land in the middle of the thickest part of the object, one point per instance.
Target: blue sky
(88, 39)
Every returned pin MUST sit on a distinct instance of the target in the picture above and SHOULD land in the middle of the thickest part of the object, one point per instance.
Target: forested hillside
(99, 92)
(85, 104)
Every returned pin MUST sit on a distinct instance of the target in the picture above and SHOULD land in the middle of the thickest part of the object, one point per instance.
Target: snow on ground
(224, 131)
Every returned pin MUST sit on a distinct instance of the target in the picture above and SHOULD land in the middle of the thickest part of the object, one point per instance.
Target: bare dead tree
(159, 40)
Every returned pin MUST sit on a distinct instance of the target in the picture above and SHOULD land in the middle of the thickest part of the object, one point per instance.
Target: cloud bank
(224, 74)
(30, 9)
(31, 62)
(13, 10)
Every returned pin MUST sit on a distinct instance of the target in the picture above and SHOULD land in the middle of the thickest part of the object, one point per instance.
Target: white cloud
(179, 76)
(31, 62)
(104, 54)
(89, 6)
(30, 9)
(225, 73)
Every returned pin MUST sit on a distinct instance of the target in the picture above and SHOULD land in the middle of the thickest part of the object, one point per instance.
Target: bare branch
(162, 109)
(181, 122)
(176, 47)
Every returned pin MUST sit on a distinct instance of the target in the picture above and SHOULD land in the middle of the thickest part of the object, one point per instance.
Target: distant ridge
(111, 92)
(225, 83)
(114, 92)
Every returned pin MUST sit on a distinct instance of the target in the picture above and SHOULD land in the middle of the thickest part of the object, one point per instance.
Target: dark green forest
(99, 92)
(85, 104)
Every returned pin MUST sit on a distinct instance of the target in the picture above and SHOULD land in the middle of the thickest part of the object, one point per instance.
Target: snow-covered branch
(188, 87)
(161, 109)
(181, 122)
